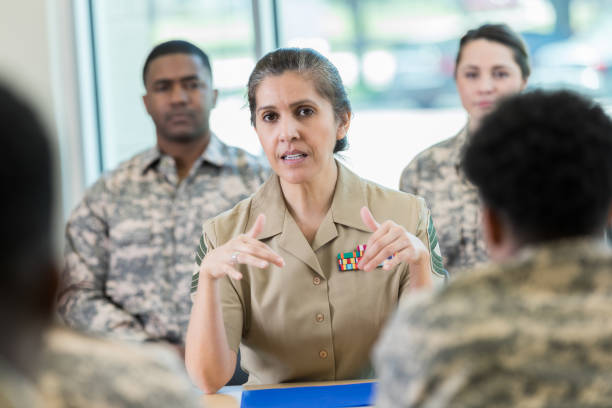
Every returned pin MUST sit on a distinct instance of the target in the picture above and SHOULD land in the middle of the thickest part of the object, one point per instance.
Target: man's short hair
(175, 47)
(543, 160)
(26, 205)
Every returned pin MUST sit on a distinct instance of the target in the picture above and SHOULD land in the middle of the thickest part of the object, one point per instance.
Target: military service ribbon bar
(347, 261)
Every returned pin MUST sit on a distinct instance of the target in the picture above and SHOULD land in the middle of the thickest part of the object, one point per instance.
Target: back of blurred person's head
(28, 277)
(542, 162)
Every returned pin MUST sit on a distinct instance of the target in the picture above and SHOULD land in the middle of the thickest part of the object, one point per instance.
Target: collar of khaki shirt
(348, 199)
(212, 154)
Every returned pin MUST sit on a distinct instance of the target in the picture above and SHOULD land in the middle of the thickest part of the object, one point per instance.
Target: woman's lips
(293, 156)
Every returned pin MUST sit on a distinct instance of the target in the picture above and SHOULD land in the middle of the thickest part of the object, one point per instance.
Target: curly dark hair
(543, 160)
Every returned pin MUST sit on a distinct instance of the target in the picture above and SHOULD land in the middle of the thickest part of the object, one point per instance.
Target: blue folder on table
(323, 396)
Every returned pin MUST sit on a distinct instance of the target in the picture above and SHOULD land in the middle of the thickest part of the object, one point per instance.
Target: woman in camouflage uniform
(492, 62)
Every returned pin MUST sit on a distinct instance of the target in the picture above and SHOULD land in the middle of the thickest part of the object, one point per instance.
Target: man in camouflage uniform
(68, 369)
(436, 175)
(130, 242)
(533, 329)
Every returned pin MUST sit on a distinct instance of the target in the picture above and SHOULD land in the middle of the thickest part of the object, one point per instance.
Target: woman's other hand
(390, 239)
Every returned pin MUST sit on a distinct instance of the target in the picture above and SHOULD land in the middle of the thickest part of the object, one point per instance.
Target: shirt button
(323, 354)
(320, 317)
(316, 280)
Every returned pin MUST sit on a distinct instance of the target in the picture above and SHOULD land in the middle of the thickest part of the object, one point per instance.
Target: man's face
(179, 97)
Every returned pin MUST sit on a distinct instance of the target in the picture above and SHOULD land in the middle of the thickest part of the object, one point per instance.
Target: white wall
(37, 60)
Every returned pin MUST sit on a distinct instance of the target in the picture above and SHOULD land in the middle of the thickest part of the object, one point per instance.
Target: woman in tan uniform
(492, 62)
(283, 275)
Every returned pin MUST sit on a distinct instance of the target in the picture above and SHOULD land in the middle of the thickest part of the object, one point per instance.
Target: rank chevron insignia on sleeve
(434, 248)
(200, 253)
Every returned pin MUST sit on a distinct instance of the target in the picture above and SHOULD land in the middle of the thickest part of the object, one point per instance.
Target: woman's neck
(309, 202)
(472, 126)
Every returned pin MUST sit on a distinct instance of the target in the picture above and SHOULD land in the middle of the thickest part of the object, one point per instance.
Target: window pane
(396, 58)
(125, 31)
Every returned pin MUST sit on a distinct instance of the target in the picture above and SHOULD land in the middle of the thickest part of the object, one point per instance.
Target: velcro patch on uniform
(434, 248)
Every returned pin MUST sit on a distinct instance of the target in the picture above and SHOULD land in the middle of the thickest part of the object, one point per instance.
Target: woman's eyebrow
(302, 102)
(265, 107)
(291, 105)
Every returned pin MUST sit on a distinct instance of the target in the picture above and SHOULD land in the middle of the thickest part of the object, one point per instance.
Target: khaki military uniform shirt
(129, 243)
(435, 175)
(82, 371)
(533, 332)
(308, 320)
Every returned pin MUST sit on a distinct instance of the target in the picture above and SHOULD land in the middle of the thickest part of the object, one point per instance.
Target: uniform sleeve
(231, 303)
(81, 372)
(609, 235)
(410, 178)
(414, 367)
(231, 307)
(82, 302)
(426, 232)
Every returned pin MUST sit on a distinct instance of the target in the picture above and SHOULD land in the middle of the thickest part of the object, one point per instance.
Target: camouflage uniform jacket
(435, 175)
(130, 242)
(532, 332)
(81, 371)
(17, 390)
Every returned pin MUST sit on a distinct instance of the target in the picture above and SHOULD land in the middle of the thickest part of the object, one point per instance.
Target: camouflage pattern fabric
(129, 243)
(16, 389)
(435, 175)
(534, 332)
(80, 371)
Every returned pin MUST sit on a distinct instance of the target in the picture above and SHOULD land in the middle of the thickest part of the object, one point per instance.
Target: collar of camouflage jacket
(215, 153)
(557, 251)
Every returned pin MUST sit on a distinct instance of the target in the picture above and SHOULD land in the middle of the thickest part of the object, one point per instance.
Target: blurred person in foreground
(533, 328)
(281, 274)
(41, 365)
(491, 63)
(129, 242)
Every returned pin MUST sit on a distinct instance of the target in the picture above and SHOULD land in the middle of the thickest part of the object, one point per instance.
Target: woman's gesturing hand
(243, 249)
(390, 239)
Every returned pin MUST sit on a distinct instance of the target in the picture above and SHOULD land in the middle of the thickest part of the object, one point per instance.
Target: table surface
(229, 397)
